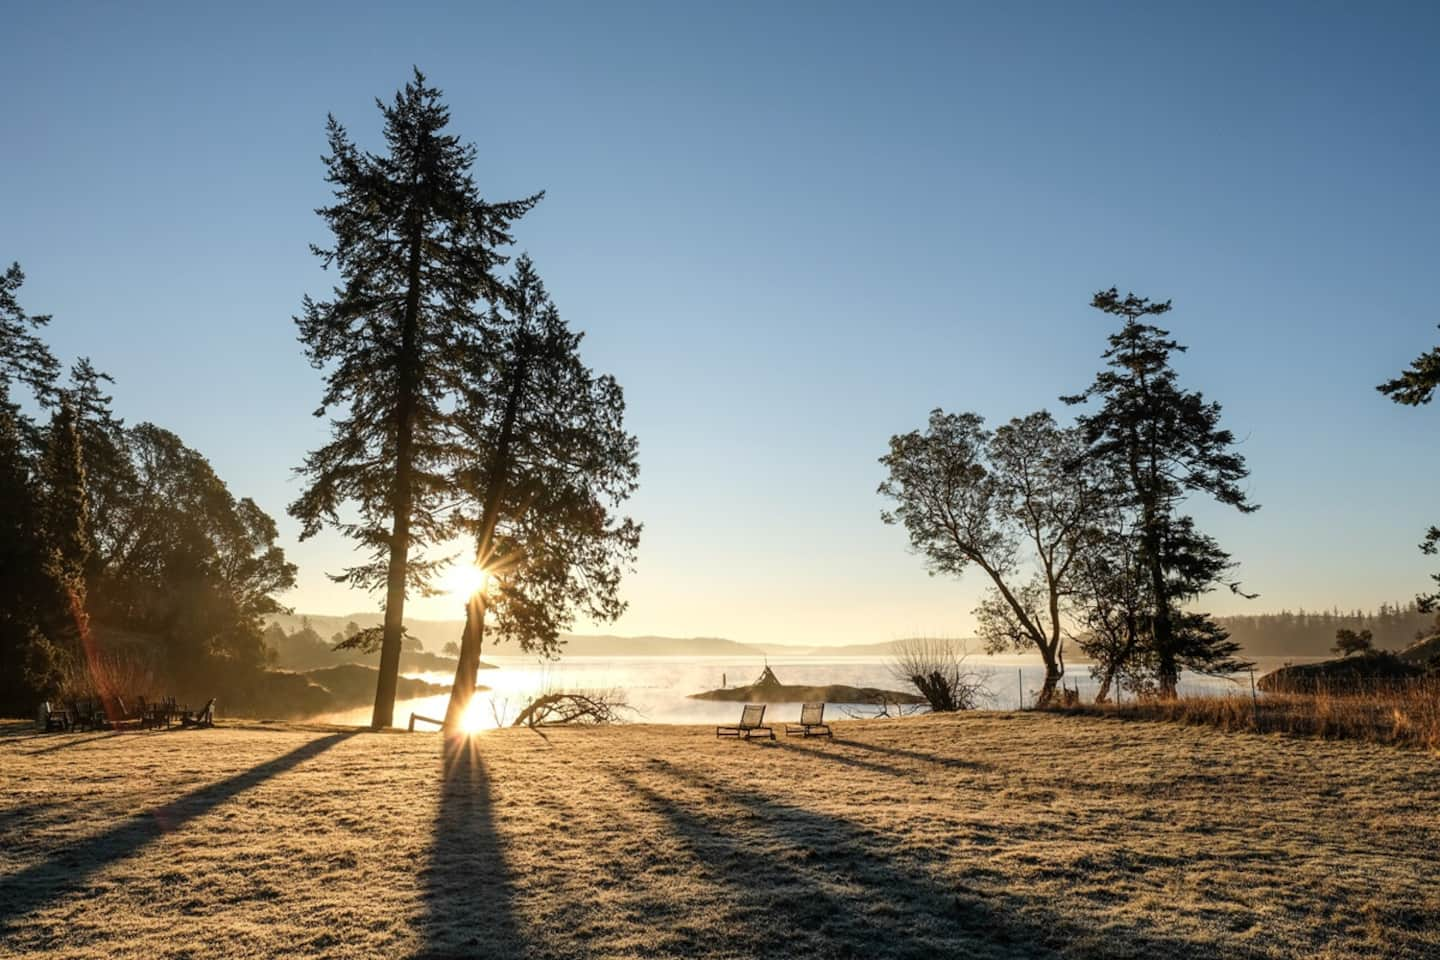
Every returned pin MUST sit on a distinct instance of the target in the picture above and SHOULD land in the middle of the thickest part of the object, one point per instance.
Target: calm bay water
(657, 688)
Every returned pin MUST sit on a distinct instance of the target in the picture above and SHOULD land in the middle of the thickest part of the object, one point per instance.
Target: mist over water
(658, 688)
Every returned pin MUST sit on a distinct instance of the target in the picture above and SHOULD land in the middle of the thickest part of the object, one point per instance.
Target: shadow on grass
(843, 889)
(78, 741)
(467, 882)
(69, 870)
(874, 766)
(953, 762)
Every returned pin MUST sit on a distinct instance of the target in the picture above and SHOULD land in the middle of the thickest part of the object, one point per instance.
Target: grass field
(983, 835)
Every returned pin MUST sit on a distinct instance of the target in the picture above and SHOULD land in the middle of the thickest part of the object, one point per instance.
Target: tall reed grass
(1398, 712)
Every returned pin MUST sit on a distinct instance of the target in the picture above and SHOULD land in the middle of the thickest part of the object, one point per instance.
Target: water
(656, 688)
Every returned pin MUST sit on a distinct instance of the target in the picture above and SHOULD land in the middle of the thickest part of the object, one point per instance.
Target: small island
(769, 689)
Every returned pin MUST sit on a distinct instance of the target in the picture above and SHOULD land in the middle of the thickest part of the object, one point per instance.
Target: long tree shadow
(844, 889)
(873, 766)
(66, 744)
(952, 762)
(69, 869)
(468, 889)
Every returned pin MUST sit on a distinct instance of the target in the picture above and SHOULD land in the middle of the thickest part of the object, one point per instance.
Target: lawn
(983, 835)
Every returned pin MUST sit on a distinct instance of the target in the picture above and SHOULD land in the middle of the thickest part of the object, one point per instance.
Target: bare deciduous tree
(936, 669)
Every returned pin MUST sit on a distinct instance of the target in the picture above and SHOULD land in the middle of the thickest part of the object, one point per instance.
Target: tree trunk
(401, 501)
(1103, 694)
(463, 689)
(1053, 673)
(464, 686)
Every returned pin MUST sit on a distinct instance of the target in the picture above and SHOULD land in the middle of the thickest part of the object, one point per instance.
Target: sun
(472, 721)
(464, 579)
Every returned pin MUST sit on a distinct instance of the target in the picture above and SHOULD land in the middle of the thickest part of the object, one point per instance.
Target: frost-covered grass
(983, 835)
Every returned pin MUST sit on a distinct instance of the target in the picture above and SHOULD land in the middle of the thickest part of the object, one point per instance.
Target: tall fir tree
(24, 357)
(548, 465)
(416, 246)
(1414, 387)
(33, 605)
(27, 665)
(1167, 443)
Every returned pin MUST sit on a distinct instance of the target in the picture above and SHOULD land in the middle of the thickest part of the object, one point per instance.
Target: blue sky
(790, 231)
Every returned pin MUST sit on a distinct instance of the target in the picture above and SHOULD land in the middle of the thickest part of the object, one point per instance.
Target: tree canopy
(415, 245)
(548, 465)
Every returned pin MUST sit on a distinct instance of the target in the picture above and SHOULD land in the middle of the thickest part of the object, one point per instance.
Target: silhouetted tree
(187, 562)
(1414, 387)
(30, 665)
(66, 504)
(1350, 641)
(549, 464)
(1110, 603)
(108, 471)
(1168, 443)
(24, 357)
(451, 649)
(34, 606)
(415, 245)
(967, 496)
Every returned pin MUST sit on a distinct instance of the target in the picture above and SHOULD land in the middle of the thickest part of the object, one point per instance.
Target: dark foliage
(1166, 443)
(1352, 641)
(548, 465)
(1005, 502)
(1414, 387)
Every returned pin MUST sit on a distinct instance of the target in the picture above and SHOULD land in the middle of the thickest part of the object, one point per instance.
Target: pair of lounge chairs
(752, 723)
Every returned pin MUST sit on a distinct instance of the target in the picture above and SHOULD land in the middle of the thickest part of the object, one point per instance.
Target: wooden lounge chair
(84, 715)
(205, 718)
(812, 722)
(53, 718)
(752, 722)
(126, 715)
(159, 714)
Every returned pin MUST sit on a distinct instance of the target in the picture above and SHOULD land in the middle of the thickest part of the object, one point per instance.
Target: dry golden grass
(982, 835)
(1393, 713)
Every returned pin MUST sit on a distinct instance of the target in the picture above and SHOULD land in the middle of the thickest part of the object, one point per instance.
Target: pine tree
(103, 447)
(415, 245)
(67, 510)
(1414, 387)
(549, 464)
(21, 570)
(23, 355)
(1167, 443)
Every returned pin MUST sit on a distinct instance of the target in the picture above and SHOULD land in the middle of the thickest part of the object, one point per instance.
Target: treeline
(1311, 633)
(126, 564)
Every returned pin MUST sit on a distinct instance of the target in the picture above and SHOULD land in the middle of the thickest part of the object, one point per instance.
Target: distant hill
(882, 649)
(434, 634)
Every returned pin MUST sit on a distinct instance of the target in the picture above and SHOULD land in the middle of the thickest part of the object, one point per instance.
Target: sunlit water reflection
(657, 688)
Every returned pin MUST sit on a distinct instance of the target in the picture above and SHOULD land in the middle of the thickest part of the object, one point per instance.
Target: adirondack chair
(752, 723)
(205, 718)
(52, 718)
(158, 714)
(85, 715)
(812, 722)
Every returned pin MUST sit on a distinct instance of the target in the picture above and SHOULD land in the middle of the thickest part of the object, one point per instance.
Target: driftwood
(556, 709)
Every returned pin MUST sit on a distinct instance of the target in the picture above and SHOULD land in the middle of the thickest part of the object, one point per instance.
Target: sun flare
(472, 720)
(464, 579)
